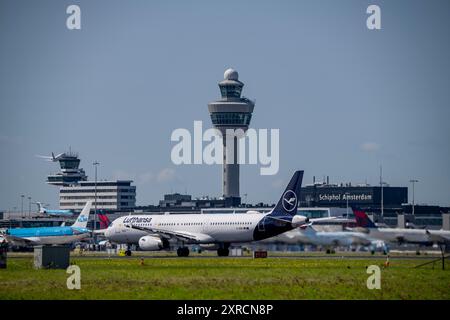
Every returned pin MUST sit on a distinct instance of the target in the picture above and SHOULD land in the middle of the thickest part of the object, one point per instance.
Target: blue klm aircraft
(52, 212)
(51, 235)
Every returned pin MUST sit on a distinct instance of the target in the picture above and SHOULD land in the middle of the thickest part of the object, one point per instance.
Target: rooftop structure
(70, 173)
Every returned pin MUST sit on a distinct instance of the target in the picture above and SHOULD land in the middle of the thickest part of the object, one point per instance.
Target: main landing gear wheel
(183, 252)
(128, 253)
(221, 252)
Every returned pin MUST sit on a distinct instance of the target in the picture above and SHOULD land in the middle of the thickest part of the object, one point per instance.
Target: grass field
(225, 278)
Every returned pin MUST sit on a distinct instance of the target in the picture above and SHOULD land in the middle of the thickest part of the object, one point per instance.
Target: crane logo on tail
(289, 200)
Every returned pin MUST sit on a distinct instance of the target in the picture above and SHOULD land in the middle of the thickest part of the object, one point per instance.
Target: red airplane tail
(104, 221)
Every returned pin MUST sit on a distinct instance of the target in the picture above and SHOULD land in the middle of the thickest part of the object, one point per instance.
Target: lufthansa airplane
(51, 235)
(153, 232)
(52, 212)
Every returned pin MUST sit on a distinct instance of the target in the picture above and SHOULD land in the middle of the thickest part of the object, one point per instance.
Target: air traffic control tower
(231, 112)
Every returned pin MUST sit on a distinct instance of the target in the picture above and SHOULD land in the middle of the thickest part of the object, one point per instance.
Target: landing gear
(223, 252)
(183, 252)
(128, 251)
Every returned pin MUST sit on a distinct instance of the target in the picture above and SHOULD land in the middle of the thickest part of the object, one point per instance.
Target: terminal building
(366, 197)
(75, 189)
(117, 195)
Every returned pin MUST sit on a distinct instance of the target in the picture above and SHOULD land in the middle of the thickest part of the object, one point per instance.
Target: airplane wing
(361, 240)
(278, 219)
(309, 221)
(179, 235)
(101, 231)
(322, 219)
(17, 240)
(438, 237)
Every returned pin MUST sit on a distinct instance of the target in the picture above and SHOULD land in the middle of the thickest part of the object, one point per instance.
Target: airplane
(52, 212)
(51, 235)
(104, 221)
(153, 232)
(400, 235)
(51, 158)
(308, 235)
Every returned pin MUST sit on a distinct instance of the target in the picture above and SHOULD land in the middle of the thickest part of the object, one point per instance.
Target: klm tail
(83, 218)
(288, 203)
(362, 220)
(40, 207)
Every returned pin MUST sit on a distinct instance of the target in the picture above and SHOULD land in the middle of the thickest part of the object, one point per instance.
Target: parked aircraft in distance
(400, 235)
(53, 212)
(329, 239)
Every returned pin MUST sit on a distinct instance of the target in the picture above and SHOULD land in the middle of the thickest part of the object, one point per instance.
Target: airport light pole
(96, 163)
(413, 181)
(22, 196)
(382, 193)
(29, 207)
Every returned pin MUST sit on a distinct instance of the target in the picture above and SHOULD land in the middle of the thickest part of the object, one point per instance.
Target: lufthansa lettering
(136, 220)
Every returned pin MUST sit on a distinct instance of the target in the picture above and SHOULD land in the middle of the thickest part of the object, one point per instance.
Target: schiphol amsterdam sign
(334, 197)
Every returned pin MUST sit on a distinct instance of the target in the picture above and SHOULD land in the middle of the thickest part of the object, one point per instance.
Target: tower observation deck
(70, 173)
(231, 112)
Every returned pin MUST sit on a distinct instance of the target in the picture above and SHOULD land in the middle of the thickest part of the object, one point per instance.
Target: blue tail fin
(288, 203)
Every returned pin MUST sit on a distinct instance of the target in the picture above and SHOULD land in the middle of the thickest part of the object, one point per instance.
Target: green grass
(225, 278)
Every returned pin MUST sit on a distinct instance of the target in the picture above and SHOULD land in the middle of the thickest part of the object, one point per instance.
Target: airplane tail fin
(363, 220)
(83, 218)
(288, 203)
(104, 221)
(40, 207)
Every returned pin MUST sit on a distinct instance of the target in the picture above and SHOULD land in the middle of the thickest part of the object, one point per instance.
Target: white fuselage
(214, 227)
(400, 235)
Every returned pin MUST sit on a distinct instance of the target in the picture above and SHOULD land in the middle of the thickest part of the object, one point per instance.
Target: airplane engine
(149, 243)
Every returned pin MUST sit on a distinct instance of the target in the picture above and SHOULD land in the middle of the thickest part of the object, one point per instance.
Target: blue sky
(346, 99)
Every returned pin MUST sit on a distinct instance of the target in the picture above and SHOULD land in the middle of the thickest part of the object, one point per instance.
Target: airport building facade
(117, 195)
(366, 197)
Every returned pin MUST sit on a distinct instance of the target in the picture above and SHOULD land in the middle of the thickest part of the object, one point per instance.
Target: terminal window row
(93, 197)
(98, 190)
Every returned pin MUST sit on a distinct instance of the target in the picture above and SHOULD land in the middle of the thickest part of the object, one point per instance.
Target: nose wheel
(183, 252)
